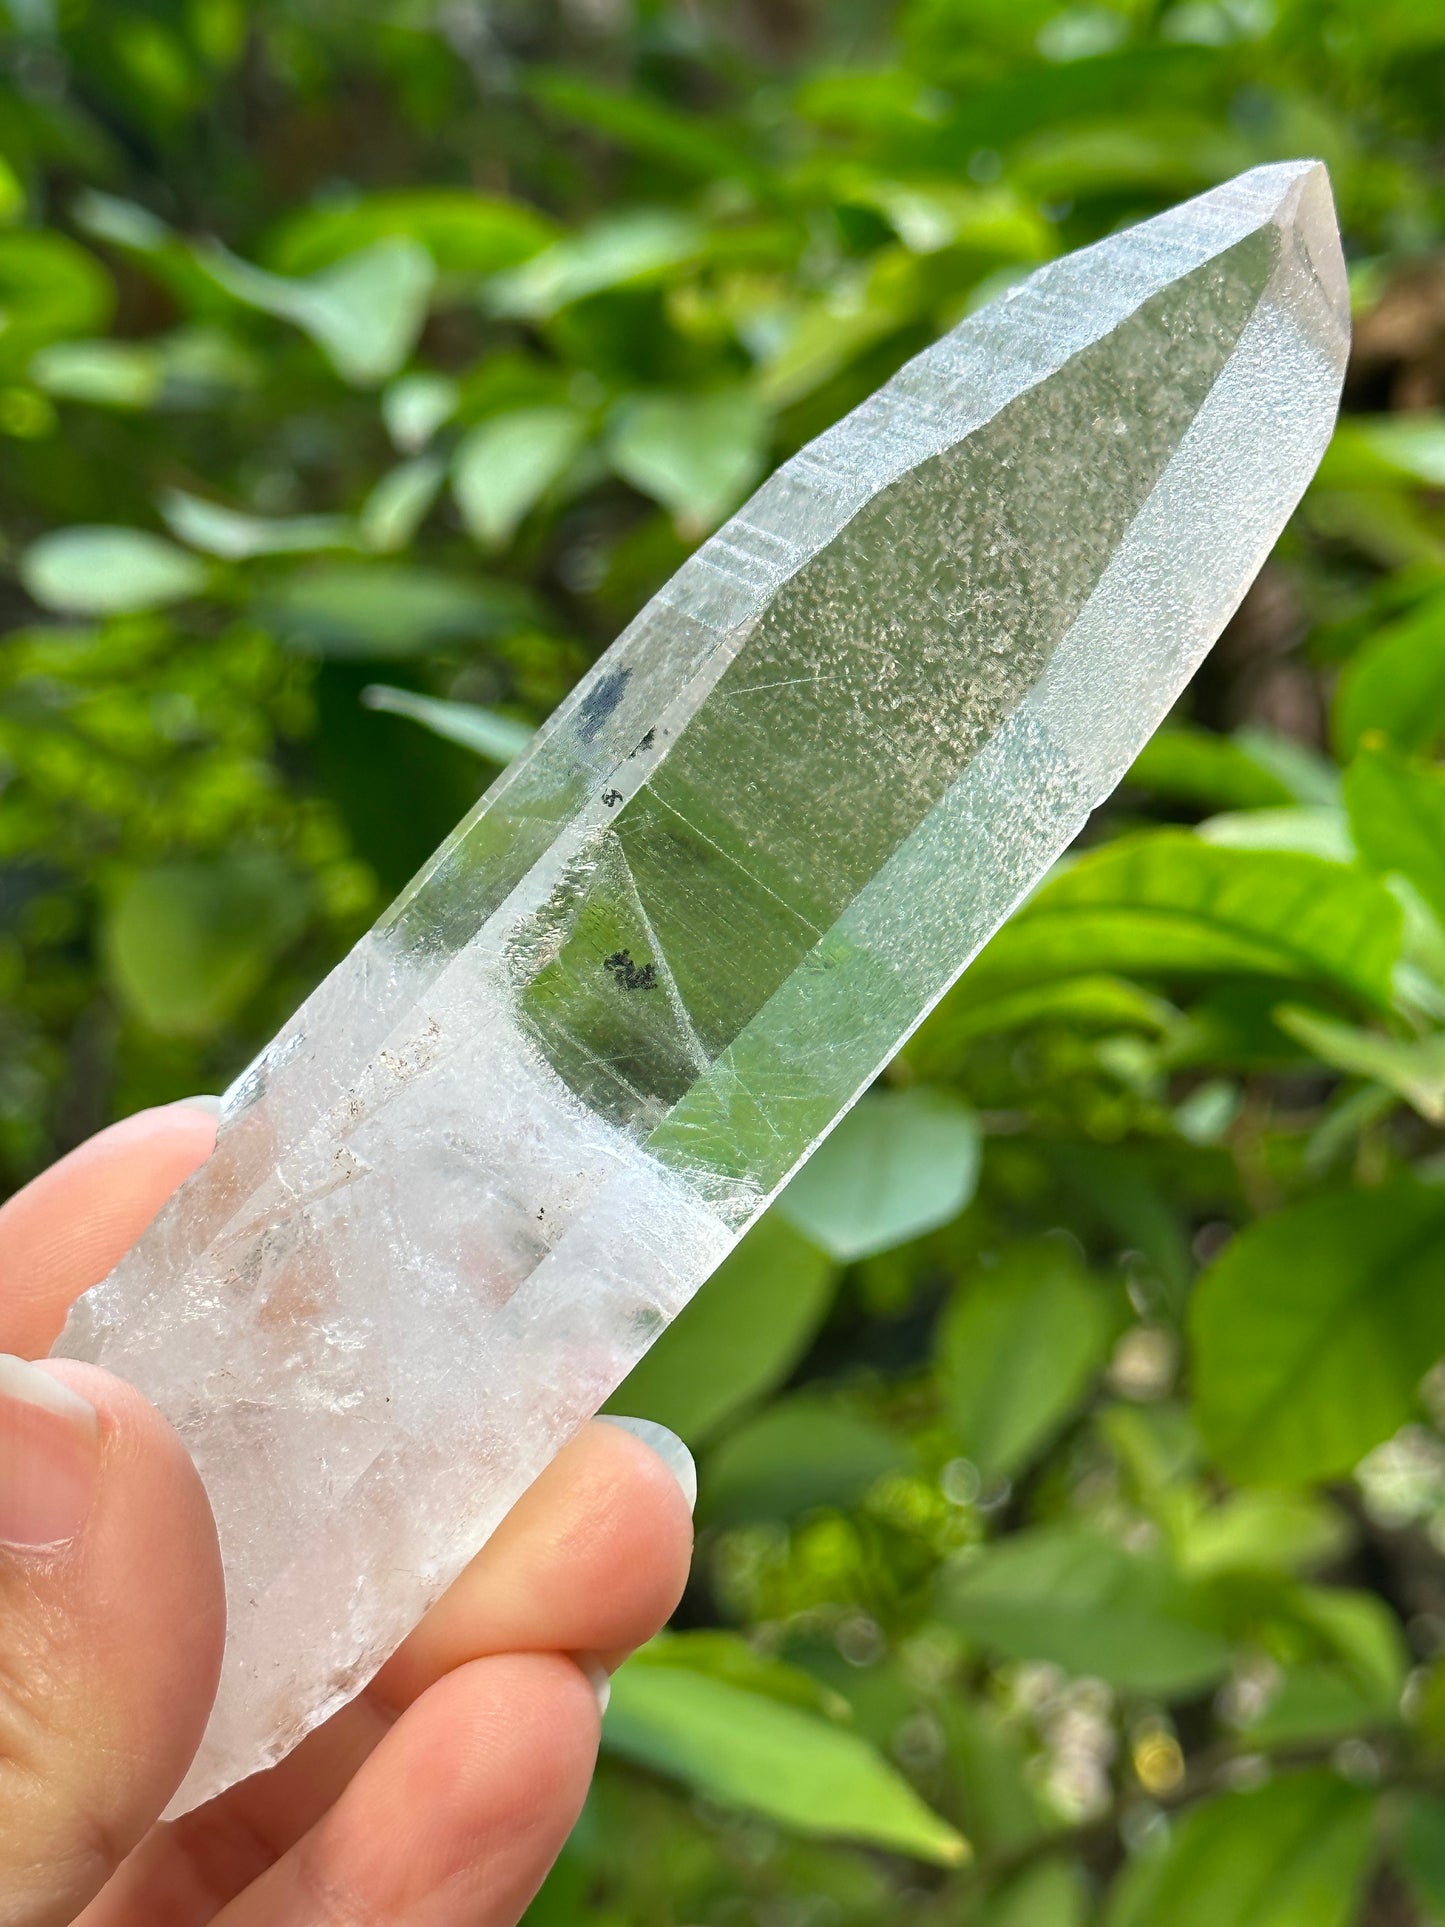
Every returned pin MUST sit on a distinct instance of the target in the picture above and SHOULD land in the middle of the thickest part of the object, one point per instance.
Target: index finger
(67, 1228)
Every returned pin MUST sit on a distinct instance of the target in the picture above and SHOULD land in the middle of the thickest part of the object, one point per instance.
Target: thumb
(111, 1624)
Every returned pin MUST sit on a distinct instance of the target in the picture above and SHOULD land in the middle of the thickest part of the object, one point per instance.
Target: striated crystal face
(512, 1133)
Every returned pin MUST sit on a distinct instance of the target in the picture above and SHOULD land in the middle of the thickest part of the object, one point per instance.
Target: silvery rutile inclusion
(510, 1135)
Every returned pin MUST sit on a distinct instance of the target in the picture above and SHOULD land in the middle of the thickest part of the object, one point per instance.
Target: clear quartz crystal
(512, 1133)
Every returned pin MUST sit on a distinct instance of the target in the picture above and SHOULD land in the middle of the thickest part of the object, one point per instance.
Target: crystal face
(510, 1135)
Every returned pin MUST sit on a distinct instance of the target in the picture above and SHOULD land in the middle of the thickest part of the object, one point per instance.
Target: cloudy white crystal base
(354, 1462)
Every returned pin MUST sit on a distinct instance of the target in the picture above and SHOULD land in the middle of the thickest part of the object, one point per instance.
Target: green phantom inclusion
(511, 1134)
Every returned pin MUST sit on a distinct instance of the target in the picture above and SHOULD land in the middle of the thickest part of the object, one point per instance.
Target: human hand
(438, 1798)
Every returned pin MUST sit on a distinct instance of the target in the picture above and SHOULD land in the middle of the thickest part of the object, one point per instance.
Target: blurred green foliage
(1072, 1517)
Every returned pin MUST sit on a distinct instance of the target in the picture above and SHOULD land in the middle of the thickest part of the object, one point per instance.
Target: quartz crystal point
(511, 1134)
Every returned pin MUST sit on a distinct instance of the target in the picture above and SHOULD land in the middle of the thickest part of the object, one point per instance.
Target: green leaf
(112, 374)
(727, 1656)
(1360, 1631)
(498, 738)
(1317, 832)
(637, 245)
(414, 407)
(465, 233)
(50, 290)
(826, 336)
(674, 136)
(1311, 779)
(1397, 818)
(1169, 904)
(237, 536)
(1414, 1068)
(1259, 1531)
(698, 455)
(749, 1751)
(1017, 1349)
(108, 571)
(364, 313)
(398, 504)
(1314, 1704)
(188, 943)
(1412, 443)
(1198, 766)
(1395, 685)
(740, 1337)
(1083, 1003)
(1313, 1329)
(802, 1452)
(1292, 1854)
(12, 194)
(1052, 1894)
(504, 467)
(899, 1164)
(1422, 1851)
(1068, 1595)
(388, 609)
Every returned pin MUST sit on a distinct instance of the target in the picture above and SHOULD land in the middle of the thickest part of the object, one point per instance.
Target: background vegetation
(1073, 1482)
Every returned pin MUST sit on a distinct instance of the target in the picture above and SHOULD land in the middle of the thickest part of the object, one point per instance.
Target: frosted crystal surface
(510, 1135)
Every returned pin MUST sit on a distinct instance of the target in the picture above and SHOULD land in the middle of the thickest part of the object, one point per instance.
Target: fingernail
(598, 1678)
(668, 1447)
(49, 1457)
(206, 1102)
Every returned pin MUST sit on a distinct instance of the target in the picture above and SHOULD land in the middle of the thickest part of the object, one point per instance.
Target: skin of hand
(438, 1798)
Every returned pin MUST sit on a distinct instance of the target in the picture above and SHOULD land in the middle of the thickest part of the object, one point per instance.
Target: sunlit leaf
(696, 454)
(1314, 831)
(1313, 1329)
(463, 232)
(720, 1654)
(498, 738)
(12, 194)
(415, 406)
(635, 245)
(237, 536)
(398, 504)
(1413, 443)
(1260, 1531)
(51, 289)
(1172, 905)
(365, 312)
(503, 467)
(827, 335)
(1414, 1068)
(1085, 1003)
(112, 374)
(899, 1164)
(749, 1751)
(107, 571)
